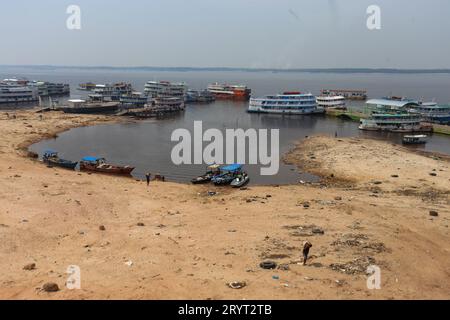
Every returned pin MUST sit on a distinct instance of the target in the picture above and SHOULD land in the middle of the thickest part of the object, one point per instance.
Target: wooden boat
(241, 180)
(211, 172)
(415, 139)
(51, 158)
(99, 165)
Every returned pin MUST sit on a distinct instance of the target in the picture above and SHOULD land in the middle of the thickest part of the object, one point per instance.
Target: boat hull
(61, 163)
(109, 169)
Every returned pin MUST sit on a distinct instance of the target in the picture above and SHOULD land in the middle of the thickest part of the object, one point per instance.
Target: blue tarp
(233, 167)
(90, 159)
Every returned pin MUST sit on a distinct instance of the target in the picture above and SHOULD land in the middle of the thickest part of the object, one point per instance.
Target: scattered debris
(129, 263)
(284, 267)
(268, 265)
(356, 266)
(305, 231)
(237, 284)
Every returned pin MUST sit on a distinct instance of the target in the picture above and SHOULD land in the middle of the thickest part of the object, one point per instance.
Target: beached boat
(290, 103)
(240, 180)
(99, 165)
(83, 107)
(211, 172)
(227, 174)
(227, 91)
(51, 158)
(415, 139)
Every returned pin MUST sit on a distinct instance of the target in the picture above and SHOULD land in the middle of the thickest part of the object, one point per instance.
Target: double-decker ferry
(335, 102)
(347, 94)
(286, 103)
(394, 122)
(10, 93)
(158, 89)
(227, 91)
(432, 112)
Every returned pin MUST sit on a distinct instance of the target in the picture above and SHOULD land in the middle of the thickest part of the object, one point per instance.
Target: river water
(147, 145)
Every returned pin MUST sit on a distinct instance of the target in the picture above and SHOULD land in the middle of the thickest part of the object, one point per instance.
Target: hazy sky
(227, 33)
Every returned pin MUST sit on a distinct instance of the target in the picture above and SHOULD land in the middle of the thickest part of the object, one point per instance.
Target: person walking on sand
(306, 246)
(148, 176)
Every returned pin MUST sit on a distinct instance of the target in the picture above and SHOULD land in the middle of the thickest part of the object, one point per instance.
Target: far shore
(378, 204)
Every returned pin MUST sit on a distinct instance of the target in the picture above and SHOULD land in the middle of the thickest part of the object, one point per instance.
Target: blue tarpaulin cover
(233, 167)
(90, 159)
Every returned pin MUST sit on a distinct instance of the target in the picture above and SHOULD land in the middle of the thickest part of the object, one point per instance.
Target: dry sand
(189, 245)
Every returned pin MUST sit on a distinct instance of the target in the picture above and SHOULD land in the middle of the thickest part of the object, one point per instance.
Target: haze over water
(147, 145)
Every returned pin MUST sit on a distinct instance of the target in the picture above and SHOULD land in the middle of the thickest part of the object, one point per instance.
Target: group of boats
(226, 175)
(94, 164)
(403, 115)
(219, 175)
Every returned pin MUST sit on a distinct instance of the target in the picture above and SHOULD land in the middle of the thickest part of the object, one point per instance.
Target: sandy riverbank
(190, 245)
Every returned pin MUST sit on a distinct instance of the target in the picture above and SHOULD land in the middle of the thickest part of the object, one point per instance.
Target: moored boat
(227, 91)
(240, 180)
(83, 107)
(51, 158)
(211, 172)
(99, 165)
(290, 103)
(394, 122)
(415, 139)
(432, 112)
(346, 93)
(331, 102)
(228, 174)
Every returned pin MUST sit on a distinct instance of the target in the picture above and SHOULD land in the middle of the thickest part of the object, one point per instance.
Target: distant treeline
(226, 69)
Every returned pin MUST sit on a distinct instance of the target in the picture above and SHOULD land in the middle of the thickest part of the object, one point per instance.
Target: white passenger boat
(286, 103)
(334, 102)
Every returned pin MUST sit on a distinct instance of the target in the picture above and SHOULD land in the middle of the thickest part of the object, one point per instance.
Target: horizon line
(245, 69)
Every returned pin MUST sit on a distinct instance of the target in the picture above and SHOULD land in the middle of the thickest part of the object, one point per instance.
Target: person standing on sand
(306, 246)
(148, 176)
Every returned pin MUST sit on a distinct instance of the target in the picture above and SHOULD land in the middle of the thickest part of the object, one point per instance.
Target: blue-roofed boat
(51, 158)
(98, 164)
